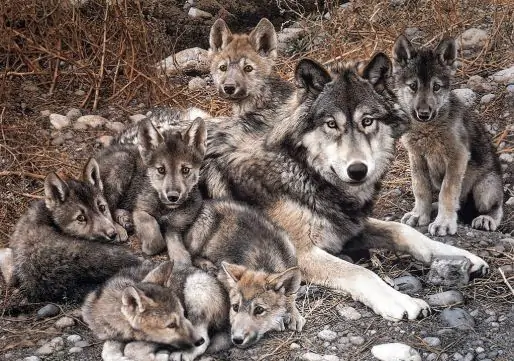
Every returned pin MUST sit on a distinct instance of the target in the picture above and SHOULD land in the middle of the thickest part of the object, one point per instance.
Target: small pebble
(75, 349)
(357, 340)
(457, 318)
(64, 322)
(81, 344)
(49, 310)
(327, 335)
(74, 338)
(73, 114)
(395, 352)
(311, 356)
(348, 313)
(447, 298)
(450, 271)
(432, 341)
(487, 98)
(32, 358)
(294, 346)
(408, 284)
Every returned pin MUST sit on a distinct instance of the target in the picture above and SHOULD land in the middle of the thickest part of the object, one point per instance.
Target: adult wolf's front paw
(485, 223)
(415, 218)
(443, 226)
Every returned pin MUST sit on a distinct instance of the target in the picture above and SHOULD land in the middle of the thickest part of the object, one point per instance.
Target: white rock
(64, 322)
(75, 349)
(472, 39)
(73, 114)
(466, 96)
(504, 76)
(136, 118)
(510, 201)
(32, 358)
(294, 346)
(59, 121)
(487, 98)
(55, 344)
(395, 352)
(197, 13)
(92, 121)
(506, 157)
(74, 338)
(432, 341)
(327, 335)
(197, 83)
(311, 356)
(189, 59)
(357, 340)
(348, 313)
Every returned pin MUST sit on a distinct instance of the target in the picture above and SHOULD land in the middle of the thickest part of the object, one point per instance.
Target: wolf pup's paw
(296, 321)
(122, 233)
(443, 226)
(485, 223)
(123, 217)
(205, 265)
(415, 219)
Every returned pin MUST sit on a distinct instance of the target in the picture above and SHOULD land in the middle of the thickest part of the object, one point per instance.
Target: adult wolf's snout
(173, 196)
(357, 171)
(424, 115)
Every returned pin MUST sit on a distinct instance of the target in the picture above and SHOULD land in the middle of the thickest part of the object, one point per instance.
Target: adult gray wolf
(242, 68)
(57, 244)
(255, 261)
(165, 306)
(155, 184)
(449, 148)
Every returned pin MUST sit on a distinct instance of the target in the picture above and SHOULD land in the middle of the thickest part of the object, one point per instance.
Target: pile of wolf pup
(249, 206)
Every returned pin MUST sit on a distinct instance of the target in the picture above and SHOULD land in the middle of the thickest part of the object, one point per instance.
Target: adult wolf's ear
(447, 52)
(311, 76)
(233, 272)
(160, 275)
(56, 190)
(219, 37)
(196, 135)
(264, 39)
(134, 302)
(149, 139)
(287, 282)
(91, 174)
(403, 51)
(377, 71)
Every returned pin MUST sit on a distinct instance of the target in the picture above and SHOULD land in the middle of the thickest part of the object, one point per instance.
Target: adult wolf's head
(241, 62)
(78, 208)
(422, 77)
(346, 123)
(258, 301)
(173, 159)
(155, 312)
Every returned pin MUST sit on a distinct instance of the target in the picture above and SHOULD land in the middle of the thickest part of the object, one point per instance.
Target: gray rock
(56, 344)
(486, 99)
(115, 126)
(348, 313)
(505, 76)
(311, 356)
(74, 338)
(92, 121)
(432, 341)
(469, 357)
(357, 340)
(457, 356)
(197, 83)
(472, 39)
(59, 121)
(395, 352)
(329, 358)
(74, 114)
(49, 310)
(32, 358)
(408, 284)
(457, 318)
(294, 346)
(64, 322)
(479, 84)
(59, 140)
(327, 335)
(432, 357)
(197, 13)
(81, 344)
(186, 60)
(450, 271)
(506, 157)
(75, 349)
(287, 36)
(510, 201)
(510, 88)
(467, 96)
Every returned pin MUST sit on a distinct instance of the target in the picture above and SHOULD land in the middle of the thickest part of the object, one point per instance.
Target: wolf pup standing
(56, 248)
(150, 304)
(257, 264)
(449, 149)
(242, 66)
(155, 182)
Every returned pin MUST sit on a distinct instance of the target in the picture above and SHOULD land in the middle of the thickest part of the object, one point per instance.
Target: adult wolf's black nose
(173, 196)
(199, 342)
(237, 340)
(357, 171)
(229, 89)
(424, 115)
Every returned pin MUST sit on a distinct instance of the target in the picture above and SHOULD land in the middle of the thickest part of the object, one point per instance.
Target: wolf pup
(242, 68)
(257, 264)
(449, 148)
(150, 304)
(155, 184)
(55, 245)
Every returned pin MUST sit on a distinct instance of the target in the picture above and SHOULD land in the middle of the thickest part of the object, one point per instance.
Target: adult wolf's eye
(413, 86)
(436, 87)
(185, 170)
(235, 307)
(248, 68)
(223, 67)
(101, 207)
(331, 124)
(81, 218)
(258, 310)
(366, 122)
(161, 170)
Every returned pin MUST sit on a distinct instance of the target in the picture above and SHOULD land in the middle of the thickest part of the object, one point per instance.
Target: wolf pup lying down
(257, 264)
(449, 148)
(155, 184)
(56, 243)
(150, 304)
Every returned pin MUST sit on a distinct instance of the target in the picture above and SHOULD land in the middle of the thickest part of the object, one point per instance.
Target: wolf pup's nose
(357, 171)
(112, 234)
(173, 197)
(237, 340)
(424, 115)
(229, 89)
(199, 342)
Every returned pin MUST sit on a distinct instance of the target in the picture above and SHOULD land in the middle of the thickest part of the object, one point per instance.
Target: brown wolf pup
(449, 148)
(242, 68)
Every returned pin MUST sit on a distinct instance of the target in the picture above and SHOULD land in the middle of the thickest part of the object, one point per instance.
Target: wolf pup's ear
(56, 190)
(447, 52)
(160, 275)
(311, 76)
(234, 272)
(149, 139)
(378, 70)
(219, 37)
(196, 135)
(403, 51)
(264, 39)
(91, 174)
(134, 301)
(287, 282)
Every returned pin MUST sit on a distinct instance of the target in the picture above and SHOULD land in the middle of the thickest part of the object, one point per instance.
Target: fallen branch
(505, 280)
(7, 173)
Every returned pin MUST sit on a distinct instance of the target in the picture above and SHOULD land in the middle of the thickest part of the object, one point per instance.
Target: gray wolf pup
(150, 304)
(242, 67)
(256, 262)
(155, 182)
(56, 248)
(449, 148)
(316, 174)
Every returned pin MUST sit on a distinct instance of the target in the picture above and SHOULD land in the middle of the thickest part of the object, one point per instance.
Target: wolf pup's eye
(248, 68)
(223, 67)
(171, 325)
(235, 307)
(101, 207)
(161, 170)
(258, 310)
(413, 86)
(436, 87)
(366, 122)
(185, 170)
(331, 124)
(81, 218)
